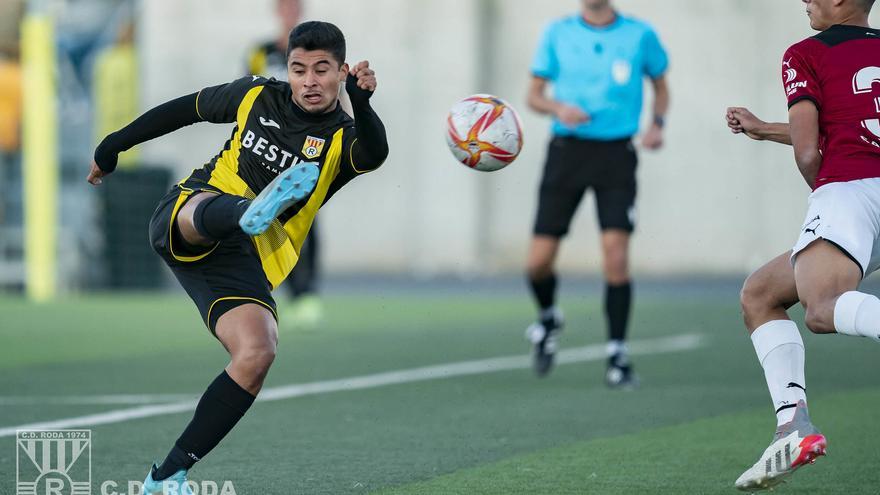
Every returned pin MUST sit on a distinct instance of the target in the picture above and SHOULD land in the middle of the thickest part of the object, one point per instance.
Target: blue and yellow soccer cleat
(292, 185)
(173, 485)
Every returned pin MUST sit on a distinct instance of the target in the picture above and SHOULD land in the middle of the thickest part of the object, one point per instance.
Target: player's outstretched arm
(742, 121)
(371, 147)
(166, 118)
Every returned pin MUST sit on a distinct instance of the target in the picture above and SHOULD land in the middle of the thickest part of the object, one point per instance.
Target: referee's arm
(653, 138)
(538, 101)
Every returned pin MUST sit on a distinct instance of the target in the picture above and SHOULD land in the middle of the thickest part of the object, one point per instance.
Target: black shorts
(575, 165)
(217, 278)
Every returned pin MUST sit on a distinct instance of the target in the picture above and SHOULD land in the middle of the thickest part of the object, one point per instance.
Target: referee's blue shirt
(600, 70)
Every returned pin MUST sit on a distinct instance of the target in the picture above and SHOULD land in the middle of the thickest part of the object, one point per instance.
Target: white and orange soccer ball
(484, 132)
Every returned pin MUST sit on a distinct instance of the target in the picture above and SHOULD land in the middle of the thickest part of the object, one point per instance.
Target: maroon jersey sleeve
(838, 69)
(799, 76)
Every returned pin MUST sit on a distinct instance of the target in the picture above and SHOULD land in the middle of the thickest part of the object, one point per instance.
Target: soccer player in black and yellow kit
(233, 229)
(303, 309)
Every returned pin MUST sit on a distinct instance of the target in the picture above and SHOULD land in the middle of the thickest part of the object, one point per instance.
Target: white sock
(780, 350)
(857, 314)
(615, 347)
(553, 312)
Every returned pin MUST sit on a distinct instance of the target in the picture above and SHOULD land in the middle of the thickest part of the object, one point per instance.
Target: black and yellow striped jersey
(270, 135)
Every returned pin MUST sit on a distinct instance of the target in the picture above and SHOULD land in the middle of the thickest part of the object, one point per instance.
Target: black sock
(617, 303)
(217, 218)
(220, 408)
(544, 290)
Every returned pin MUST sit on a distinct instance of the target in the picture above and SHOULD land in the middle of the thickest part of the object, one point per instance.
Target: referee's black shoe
(544, 336)
(620, 374)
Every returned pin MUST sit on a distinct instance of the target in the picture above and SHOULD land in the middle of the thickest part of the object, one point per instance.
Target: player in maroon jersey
(832, 81)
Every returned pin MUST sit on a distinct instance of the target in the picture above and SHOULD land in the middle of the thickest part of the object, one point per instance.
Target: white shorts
(846, 214)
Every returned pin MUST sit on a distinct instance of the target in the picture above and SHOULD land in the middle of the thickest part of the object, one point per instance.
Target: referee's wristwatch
(659, 121)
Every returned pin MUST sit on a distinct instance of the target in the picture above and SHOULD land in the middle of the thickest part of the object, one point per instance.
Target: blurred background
(710, 204)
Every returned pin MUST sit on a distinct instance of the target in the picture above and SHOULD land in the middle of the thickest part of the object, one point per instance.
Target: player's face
(314, 77)
(821, 13)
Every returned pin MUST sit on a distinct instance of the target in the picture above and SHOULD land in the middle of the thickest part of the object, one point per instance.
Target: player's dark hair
(317, 35)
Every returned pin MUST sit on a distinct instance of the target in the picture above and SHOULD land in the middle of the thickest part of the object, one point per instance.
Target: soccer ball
(483, 132)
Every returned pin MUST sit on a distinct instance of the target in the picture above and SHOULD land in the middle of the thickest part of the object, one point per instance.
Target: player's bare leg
(823, 273)
(542, 256)
(769, 292)
(250, 335)
(765, 297)
(186, 222)
(618, 299)
(543, 334)
(615, 256)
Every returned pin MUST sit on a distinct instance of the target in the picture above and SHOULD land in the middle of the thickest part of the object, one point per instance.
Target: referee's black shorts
(575, 165)
(217, 278)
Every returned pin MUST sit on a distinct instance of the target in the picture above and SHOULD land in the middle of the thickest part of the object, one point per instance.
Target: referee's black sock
(219, 409)
(544, 290)
(217, 217)
(617, 303)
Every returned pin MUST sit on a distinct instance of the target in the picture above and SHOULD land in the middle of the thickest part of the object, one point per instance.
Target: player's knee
(755, 296)
(616, 270)
(615, 259)
(539, 268)
(265, 355)
(257, 360)
(818, 319)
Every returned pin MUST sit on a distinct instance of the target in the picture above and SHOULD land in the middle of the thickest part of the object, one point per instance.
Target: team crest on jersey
(312, 147)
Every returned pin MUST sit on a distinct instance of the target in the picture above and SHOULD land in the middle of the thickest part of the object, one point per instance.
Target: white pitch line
(90, 400)
(581, 354)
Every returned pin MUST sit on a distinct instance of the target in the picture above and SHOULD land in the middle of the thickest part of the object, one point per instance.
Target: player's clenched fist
(741, 121)
(95, 174)
(366, 77)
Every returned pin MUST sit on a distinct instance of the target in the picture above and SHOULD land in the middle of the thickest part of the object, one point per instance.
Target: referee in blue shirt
(596, 62)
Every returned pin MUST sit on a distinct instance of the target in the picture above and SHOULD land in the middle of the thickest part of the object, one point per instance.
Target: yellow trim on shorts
(239, 298)
(185, 193)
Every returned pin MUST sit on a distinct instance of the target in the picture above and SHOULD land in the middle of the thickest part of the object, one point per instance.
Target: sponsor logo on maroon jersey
(793, 87)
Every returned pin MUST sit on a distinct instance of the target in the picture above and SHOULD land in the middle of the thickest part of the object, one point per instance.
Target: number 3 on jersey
(862, 83)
